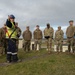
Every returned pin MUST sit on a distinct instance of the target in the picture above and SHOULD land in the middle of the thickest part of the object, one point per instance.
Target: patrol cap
(27, 27)
(12, 16)
(37, 25)
(71, 21)
(59, 26)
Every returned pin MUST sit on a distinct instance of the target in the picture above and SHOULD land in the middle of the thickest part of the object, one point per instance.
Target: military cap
(12, 16)
(71, 21)
(59, 26)
(37, 25)
(27, 27)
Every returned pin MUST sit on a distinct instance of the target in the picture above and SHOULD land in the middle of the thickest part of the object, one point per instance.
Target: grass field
(40, 63)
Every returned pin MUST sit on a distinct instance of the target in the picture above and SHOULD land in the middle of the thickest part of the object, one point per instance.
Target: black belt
(47, 37)
(69, 37)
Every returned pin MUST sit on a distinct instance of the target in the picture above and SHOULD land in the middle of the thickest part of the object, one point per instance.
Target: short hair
(48, 25)
(37, 25)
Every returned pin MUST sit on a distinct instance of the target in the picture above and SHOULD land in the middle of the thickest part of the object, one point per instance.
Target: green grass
(43, 64)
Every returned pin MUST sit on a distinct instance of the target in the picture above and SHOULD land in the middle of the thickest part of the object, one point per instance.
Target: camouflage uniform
(18, 35)
(5, 40)
(27, 36)
(48, 34)
(38, 38)
(70, 37)
(74, 41)
(2, 37)
(59, 39)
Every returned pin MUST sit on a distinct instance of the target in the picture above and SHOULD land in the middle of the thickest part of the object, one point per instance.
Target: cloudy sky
(41, 12)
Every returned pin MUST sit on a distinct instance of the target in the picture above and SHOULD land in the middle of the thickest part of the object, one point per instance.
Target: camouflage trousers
(1, 48)
(26, 45)
(37, 44)
(59, 45)
(74, 45)
(70, 42)
(1, 51)
(49, 44)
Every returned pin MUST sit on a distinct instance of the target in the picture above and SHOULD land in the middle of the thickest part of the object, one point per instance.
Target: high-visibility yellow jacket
(10, 30)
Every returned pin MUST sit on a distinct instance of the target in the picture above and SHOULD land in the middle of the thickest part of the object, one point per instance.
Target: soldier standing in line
(74, 40)
(70, 36)
(59, 39)
(27, 36)
(2, 37)
(18, 30)
(48, 34)
(5, 40)
(37, 38)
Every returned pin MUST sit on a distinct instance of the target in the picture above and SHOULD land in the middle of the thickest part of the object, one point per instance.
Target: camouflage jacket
(37, 34)
(70, 31)
(59, 35)
(2, 34)
(27, 35)
(18, 30)
(49, 32)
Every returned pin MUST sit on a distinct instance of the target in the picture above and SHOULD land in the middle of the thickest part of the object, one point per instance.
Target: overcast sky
(38, 12)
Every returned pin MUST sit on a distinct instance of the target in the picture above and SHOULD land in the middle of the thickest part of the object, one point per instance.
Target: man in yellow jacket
(11, 36)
